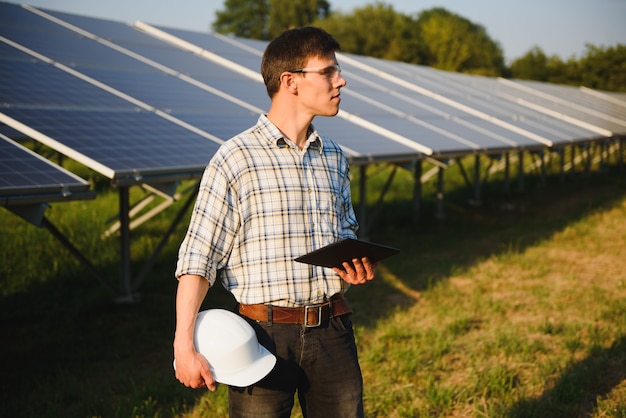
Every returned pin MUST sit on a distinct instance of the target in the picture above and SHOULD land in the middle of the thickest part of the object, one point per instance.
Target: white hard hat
(231, 347)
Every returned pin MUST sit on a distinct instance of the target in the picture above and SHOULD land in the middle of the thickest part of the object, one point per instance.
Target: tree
(244, 18)
(376, 31)
(456, 44)
(600, 68)
(266, 19)
(532, 66)
(603, 68)
(285, 15)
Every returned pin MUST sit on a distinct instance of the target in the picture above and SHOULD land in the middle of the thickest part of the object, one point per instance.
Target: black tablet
(333, 255)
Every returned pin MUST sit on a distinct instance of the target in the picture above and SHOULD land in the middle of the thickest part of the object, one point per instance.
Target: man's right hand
(192, 370)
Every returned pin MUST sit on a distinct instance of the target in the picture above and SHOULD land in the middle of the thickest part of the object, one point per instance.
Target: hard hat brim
(230, 345)
(251, 374)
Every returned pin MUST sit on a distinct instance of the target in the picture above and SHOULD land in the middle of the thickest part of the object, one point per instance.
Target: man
(269, 195)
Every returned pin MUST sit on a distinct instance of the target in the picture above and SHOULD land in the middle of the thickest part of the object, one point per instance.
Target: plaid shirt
(263, 202)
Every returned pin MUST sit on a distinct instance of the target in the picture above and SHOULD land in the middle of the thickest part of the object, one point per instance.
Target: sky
(558, 27)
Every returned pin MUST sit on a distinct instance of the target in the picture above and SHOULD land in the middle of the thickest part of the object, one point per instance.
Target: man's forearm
(191, 292)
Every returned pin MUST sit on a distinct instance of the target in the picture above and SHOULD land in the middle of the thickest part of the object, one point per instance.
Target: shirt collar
(275, 136)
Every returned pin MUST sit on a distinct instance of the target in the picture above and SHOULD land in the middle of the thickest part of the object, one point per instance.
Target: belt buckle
(319, 315)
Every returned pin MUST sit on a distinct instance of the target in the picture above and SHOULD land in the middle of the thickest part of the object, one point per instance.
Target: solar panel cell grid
(390, 108)
(23, 172)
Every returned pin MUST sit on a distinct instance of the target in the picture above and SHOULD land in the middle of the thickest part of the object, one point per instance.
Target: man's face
(319, 85)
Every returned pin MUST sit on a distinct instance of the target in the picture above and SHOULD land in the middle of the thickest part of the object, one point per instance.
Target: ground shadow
(66, 342)
(576, 393)
(433, 249)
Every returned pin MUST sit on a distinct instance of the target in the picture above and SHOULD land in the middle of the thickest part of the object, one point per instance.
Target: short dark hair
(291, 50)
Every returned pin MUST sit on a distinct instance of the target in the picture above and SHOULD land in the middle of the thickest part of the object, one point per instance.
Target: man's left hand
(359, 271)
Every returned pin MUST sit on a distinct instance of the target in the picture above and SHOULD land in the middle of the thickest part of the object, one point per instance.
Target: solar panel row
(57, 88)
(141, 104)
(126, 98)
(27, 178)
(451, 101)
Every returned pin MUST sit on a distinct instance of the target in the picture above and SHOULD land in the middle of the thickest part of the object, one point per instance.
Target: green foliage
(603, 68)
(376, 31)
(266, 19)
(244, 18)
(600, 68)
(435, 37)
(456, 44)
(532, 66)
(491, 312)
(294, 13)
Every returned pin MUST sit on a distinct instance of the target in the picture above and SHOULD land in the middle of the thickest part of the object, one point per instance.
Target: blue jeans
(320, 364)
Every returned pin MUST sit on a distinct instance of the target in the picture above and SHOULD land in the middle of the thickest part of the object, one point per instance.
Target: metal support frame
(572, 153)
(588, 159)
(128, 286)
(474, 186)
(620, 159)
(542, 164)
(507, 173)
(561, 153)
(477, 200)
(125, 289)
(520, 171)
(54, 231)
(380, 202)
(417, 191)
(150, 262)
(366, 220)
(35, 214)
(439, 213)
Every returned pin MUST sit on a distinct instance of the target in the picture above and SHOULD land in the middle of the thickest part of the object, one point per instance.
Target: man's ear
(289, 82)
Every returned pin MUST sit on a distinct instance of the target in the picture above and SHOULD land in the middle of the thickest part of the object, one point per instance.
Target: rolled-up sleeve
(212, 229)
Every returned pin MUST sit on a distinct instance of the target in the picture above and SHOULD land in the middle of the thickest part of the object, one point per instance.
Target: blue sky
(560, 27)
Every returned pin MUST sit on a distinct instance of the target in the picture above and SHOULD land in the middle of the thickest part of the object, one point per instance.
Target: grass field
(516, 308)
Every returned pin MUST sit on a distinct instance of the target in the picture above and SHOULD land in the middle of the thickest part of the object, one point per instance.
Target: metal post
(507, 173)
(417, 191)
(620, 162)
(439, 210)
(542, 160)
(561, 152)
(150, 262)
(477, 185)
(520, 172)
(603, 148)
(125, 278)
(76, 253)
(588, 159)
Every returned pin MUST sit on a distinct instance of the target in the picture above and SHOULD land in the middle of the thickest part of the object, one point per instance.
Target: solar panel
(124, 73)
(108, 133)
(28, 178)
(249, 90)
(389, 108)
(471, 96)
(432, 124)
(557, 111)
(449, 128)
(572, 102)
(138, 108)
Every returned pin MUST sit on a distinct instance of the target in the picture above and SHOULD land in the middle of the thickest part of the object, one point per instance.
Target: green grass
(516, 308)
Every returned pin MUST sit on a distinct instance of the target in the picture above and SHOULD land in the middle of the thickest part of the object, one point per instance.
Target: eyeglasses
(331, 72)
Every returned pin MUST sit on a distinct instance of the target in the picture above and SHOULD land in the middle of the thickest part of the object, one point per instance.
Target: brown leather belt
(310, 315)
